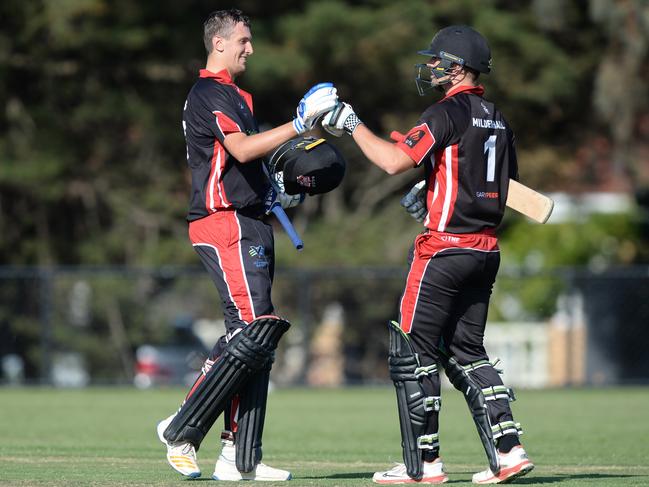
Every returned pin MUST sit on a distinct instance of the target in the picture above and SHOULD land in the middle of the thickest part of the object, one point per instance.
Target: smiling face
(232, 52)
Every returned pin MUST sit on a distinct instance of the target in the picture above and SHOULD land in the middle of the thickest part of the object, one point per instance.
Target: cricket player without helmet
(227, 228)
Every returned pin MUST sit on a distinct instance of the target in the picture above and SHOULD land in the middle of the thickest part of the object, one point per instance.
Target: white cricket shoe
(433, 474)
(181, 456)
(512, 465)
(226, 468)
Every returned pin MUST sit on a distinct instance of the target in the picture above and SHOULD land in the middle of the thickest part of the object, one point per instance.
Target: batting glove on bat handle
(342, 119)
(415, 201)
(283, 200)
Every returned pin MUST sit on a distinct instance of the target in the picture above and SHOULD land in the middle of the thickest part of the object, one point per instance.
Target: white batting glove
(290, 200)
(415, 201)
(341, 119)
(274, 198)
(318, 100)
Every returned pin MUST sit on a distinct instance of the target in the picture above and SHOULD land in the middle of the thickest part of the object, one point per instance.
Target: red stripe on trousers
(411, 293)
(221, 230)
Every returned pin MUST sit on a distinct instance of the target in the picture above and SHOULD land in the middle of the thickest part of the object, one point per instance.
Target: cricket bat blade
(530, 203)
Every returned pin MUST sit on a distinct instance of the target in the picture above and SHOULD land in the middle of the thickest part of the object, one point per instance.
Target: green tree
(92, 166)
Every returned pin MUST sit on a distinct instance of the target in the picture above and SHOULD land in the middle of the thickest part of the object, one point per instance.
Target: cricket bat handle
(281, 215)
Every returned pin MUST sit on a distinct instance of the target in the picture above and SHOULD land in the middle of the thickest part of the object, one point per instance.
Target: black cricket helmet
(456, 44)
(306, 165)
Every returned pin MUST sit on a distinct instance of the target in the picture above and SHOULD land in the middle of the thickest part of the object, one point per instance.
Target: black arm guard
(246, 354)
(476, 402)
(402, 363)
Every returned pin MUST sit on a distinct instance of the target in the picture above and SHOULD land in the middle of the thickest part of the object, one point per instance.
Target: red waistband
(490, 232)
(431, 243)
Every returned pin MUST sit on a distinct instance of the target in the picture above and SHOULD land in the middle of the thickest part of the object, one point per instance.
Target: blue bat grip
(288, 226)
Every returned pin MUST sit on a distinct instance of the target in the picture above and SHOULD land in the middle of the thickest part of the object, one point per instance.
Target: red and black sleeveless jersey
(468, 151)
(216, 107)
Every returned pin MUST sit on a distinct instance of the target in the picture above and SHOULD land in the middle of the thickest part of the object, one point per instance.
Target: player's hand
(318, 100)
(342, 119)
(274, 198)
(415, 201)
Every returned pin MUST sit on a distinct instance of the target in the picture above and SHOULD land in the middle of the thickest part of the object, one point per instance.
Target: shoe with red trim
(512, 465)
(433, 474)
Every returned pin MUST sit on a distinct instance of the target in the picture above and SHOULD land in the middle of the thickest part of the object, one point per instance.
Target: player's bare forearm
(381, 153)
(246, 148)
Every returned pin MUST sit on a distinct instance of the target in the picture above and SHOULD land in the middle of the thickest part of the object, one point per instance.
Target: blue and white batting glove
(415, 201)
(318, 100)
(342, 119)
(274, 198)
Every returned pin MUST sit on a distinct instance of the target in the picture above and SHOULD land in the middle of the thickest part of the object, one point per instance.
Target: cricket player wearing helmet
(467, 149)
(230, 197)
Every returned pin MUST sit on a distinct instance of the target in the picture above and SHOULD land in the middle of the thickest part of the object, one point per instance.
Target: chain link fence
(148, 327)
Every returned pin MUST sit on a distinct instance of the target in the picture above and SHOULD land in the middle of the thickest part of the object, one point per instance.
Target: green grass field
(325, 437)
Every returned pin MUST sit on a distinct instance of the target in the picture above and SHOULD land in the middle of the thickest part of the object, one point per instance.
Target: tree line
(92, 159)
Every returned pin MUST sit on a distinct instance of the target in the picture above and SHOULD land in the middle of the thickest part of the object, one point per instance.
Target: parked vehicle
(176, 361)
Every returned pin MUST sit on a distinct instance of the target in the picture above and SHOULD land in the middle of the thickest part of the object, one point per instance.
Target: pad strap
(483, 363)
(494, 393)
(432, 403)
(428, 442)
(506, 428)
(427, 370)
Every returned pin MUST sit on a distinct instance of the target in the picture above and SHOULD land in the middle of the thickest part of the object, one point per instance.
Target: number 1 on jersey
(490, 148)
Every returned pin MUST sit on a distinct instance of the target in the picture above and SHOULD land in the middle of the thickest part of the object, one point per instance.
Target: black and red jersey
(216, 107)
(468, 152)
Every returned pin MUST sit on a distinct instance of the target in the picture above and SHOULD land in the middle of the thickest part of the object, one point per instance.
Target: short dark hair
(221, 23)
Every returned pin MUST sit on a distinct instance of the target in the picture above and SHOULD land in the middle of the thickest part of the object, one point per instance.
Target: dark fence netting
(72, 327)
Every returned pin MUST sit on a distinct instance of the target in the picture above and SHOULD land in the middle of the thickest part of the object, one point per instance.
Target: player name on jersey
(488, 124)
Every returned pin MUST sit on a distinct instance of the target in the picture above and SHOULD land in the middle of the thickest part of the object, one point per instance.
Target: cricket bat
(530, 203)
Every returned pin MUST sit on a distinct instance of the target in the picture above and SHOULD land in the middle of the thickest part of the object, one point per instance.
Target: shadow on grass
(531, 479)
(362, 475)
(358, 475)
(349, 475)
